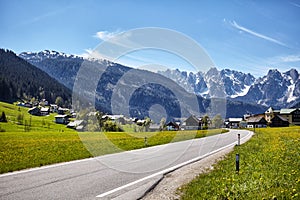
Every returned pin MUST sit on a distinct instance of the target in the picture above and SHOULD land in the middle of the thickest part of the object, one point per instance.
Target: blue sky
(249, 36)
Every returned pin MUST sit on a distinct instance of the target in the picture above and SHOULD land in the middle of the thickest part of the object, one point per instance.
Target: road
(126, 175)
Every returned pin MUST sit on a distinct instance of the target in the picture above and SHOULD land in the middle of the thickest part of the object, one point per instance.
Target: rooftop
(235, 119)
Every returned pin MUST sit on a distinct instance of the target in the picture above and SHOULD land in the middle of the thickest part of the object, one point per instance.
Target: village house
(292, 115)
(154, 127)
(140, 122)
(172, 126)
(287, 114)
(115, 118)
(270, 113)
(26, 104)
(44, 102)
(62, 111)
(246, 116)
(45, 111)
(296, 116)
(61, 119)
(34, 111)
(73, 114)
(279, 121)
(256, 122)
(75, 124)
(233, 122)
(53, 108)
(193, 123)
(80, 128)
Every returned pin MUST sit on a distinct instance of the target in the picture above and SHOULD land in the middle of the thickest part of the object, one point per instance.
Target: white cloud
(290, 58)
(91, 54)
(86, 54)
(105, 35)
(115, 40)
(241, 28)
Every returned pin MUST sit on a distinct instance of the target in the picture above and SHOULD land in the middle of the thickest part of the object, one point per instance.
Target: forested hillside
(19, 80)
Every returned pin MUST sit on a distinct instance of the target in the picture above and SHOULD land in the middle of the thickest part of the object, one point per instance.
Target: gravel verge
(167, 187)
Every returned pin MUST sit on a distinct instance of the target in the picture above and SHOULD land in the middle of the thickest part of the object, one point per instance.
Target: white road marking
(171, 168)
(46, 167)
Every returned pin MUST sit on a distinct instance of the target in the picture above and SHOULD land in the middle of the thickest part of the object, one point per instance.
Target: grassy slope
(270, 164)
(48, 143)
(45, 143)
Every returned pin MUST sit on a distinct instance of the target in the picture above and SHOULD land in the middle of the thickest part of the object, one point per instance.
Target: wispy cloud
(45, 16)
(259, 35)
(290, 58)
(283, 62)
(295, 4)
(87, 53)
(93, 54)
(106, 35)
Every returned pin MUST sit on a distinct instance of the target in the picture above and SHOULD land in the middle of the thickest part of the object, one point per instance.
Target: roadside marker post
(146, 142)
(239, 139)
(237, 162)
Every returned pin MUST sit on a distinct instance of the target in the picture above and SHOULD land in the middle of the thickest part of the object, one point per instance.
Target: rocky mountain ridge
(275, 89)
(234, 86)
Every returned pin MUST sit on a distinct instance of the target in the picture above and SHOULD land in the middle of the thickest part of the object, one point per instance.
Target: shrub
(110, 126)
(3, 117)
(20, 118)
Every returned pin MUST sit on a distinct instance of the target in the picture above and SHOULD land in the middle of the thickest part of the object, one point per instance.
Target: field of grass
(47, 142)
(99, 143)
(269, 169)
(18, 116)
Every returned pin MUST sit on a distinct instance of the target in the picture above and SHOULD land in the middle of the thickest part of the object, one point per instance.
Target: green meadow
(269, 162)
(31, 141)
(269, 169)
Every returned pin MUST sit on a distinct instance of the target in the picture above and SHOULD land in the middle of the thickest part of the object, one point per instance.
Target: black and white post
(239, 139)
(237, 162)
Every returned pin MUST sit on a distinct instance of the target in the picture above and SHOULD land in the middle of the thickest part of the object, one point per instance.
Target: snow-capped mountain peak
(277, 89)
(233, 82)
(274, 89)
(45, 54)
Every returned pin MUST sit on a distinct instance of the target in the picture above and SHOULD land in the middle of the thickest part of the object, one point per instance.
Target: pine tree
(3, 117)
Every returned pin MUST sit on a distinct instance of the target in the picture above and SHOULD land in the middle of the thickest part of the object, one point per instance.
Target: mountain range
(275, 89)
(243, 92)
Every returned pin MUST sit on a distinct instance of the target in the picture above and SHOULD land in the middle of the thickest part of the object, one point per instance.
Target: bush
(110, 126)
(204, 127)
(3, 117)
(20, 118)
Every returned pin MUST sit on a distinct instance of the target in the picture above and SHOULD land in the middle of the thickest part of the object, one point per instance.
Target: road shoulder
(167, 187)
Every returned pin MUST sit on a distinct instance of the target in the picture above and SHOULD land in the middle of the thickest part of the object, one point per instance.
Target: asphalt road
(126, 175)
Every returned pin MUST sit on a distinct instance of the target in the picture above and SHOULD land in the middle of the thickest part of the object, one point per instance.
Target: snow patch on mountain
(45, 54)
(213, 83)
(290, 96)
(275, 89)
(242, 93)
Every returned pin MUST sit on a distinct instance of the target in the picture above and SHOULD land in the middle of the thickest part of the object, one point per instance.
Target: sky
(248, 36)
